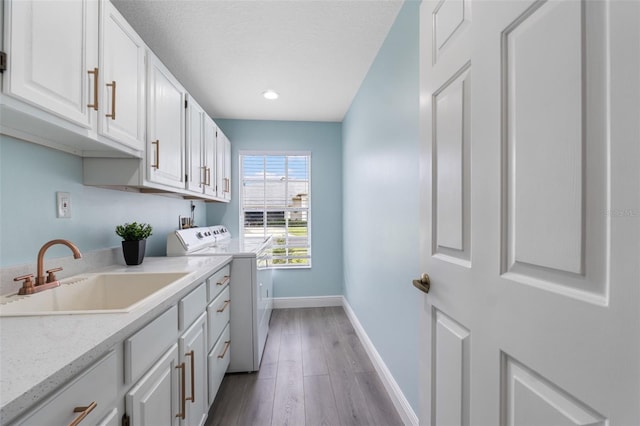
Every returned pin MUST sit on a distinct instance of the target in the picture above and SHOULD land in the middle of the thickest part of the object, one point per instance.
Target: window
(275, 200)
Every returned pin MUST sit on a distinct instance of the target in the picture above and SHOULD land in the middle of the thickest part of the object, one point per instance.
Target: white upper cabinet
(75, 79)
(201, 151)
(165, 126)
(121, 80)
(196, 174)
(223, 167)
(209, 152)
(52, 61)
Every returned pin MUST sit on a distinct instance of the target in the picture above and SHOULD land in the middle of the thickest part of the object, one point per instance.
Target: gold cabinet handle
(225, 280)
(113, 100)
(94, 105)
(208, 176)
(423, 284)
(192, 355)
(183, 403)
(157, 144)
(203, 181)
(226, 348)
(226, 303)
(227, 185)
(84, 412)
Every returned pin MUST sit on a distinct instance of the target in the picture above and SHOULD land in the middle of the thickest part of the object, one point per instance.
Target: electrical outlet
(63, 205)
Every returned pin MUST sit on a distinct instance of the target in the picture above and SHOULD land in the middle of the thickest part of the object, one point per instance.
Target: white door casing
(530, 224)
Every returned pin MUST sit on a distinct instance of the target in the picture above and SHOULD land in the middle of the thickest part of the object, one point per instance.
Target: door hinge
(3, 61)
(185, 104)
(126, 421)
(186, 178)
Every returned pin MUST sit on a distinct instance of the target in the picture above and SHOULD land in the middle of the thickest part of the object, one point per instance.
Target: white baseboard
(306, 302)
(400, 402)
(407, 414)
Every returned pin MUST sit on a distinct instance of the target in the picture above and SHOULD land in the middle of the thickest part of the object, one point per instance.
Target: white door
(209, 149)
(530, 203)
(122, 53)
(193, 351)
(196, 174)
(52, 51)
(165, 125)
(156, 399)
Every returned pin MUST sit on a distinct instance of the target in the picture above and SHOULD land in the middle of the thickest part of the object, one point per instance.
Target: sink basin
(91, 294)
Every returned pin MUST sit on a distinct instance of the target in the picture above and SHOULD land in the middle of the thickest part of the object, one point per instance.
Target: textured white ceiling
(314, 53)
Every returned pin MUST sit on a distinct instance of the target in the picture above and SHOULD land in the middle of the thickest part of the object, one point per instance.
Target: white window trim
(243, 153)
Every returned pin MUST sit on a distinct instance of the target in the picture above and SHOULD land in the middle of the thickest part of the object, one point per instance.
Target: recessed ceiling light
(270, 94)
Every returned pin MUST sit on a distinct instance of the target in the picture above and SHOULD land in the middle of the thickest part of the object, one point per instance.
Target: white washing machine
(251, 288)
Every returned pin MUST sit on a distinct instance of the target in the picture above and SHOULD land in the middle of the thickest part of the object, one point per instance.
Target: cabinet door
(193, 353)
(122, 80)
(223, 166)
(155, 399)
(196, 171)
(51, 46)
(210, 156)
(227, 169)
(165, 126)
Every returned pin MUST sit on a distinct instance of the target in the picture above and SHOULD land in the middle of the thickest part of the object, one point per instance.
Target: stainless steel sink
(91, 294)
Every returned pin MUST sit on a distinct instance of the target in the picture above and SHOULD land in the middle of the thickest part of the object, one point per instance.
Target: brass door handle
(84, 412)
(94, 105)
(204, 176)
(225, 280)
(208, 180)
(192, 355)
(157, 144)
(424, 283)
(183, 402)
(224, 306)
(113, 100)
(226, 348)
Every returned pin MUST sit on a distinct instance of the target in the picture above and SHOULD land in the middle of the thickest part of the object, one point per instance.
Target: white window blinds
(275, 200)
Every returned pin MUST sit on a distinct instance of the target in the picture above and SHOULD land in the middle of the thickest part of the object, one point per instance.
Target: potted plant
(134, 236)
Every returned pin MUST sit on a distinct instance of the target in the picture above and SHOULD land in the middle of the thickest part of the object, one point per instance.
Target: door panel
(450, 371)
(544, 313)
(555, 148)
(531, 400)
(451, 174)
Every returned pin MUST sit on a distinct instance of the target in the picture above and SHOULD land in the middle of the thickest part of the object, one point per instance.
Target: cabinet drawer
(98, 384)
(217, 282)
(218, 361)
(191, 306)
(218, 316)
(143, 348)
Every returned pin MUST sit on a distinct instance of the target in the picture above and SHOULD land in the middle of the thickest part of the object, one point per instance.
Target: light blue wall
(323, 141)
(380, 201)
(31, 174)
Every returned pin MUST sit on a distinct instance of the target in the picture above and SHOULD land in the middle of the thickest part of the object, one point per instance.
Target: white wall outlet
(63, 205)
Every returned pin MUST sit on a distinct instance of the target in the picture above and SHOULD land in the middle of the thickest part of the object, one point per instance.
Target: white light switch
(63, 204)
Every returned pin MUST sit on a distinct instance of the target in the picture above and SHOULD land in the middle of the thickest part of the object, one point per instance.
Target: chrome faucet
(50, 281)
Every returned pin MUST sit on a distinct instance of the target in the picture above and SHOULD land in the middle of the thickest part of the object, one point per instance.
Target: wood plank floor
(314, 371)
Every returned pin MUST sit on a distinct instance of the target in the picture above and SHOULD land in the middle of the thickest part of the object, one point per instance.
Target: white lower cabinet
(193, 354)
(90, 396)
(155, 399)
(218, 363)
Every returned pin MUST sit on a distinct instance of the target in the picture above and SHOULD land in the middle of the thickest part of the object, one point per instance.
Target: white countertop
(38, 354)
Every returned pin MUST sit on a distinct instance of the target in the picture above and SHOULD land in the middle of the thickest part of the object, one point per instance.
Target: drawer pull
(226, 348)
(84, 412)
(226, 303)
(192, 355)
(183, 403)
(224, 281)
